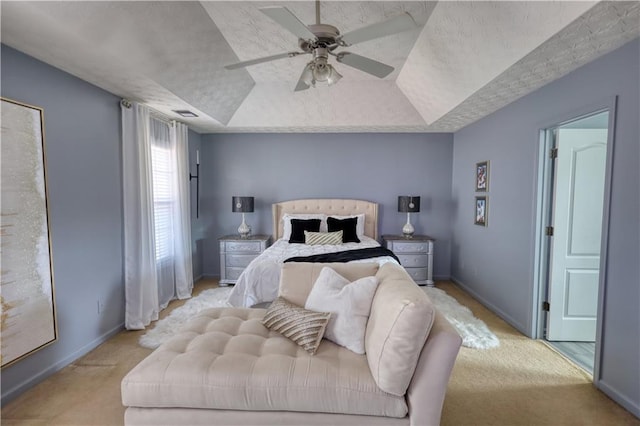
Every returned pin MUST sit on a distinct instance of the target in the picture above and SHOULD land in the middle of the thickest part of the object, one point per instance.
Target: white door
(577, 222)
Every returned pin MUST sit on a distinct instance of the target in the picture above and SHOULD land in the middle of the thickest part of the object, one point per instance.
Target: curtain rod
(154, 113)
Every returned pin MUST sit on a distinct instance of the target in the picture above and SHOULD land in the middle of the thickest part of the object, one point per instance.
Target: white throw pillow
(349, 304)
(286, 219)
(359, 222)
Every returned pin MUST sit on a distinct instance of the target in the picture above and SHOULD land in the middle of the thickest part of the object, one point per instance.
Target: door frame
(544, 205)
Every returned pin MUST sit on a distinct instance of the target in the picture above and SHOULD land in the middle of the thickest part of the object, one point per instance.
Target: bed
(259, 282)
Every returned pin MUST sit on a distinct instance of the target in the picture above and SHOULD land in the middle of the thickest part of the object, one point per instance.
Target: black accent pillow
(298, 226)
(347, 226)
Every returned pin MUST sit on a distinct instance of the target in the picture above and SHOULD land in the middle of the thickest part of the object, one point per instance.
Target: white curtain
(157, 229)
(182, 213)
(141, 288)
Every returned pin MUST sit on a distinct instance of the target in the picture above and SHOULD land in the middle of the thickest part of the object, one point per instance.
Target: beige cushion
(399, 323)
(297, 278)
(226, 359)
(349, 304)
(303, 327)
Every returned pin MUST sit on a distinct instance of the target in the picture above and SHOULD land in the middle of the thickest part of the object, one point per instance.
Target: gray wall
(375, 167)
(82, 136)
(496, 263)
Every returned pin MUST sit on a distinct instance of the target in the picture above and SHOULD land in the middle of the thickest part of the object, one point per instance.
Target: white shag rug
(475, 333)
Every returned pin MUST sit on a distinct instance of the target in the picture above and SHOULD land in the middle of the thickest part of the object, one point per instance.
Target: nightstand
(236, 253)
(415, 254)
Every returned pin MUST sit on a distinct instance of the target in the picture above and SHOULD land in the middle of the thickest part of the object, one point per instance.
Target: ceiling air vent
(185, 113)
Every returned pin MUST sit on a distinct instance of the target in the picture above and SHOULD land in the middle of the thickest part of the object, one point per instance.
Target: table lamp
(243, 205)
(408, 204)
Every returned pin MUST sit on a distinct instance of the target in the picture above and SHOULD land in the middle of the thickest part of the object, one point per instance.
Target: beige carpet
(522, 382)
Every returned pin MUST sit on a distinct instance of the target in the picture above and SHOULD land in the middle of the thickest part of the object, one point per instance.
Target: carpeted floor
(522, 382)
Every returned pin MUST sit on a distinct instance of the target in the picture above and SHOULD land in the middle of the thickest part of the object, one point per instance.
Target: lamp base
(244, 230)
(407, 229)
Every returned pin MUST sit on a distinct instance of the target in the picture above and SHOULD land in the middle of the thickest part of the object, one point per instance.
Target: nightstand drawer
(413, 260)
(233, 273)
(410, 247)
(239, 260)
(244, 246)
(418, 274)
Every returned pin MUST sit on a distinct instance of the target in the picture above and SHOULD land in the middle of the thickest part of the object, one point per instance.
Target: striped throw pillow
(300, 325)
(320, 238)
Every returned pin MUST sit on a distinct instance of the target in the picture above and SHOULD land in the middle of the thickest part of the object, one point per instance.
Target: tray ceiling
(463, 61)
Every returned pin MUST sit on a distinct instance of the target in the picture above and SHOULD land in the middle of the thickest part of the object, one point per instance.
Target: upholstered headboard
(328, 206)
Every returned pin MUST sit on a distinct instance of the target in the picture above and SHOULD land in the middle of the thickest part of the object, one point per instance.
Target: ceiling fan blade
(394, 25)
(302, 83)
(365, 64)
(289, 21)
(261, 60)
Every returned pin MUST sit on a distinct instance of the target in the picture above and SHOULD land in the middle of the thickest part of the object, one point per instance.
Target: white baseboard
(629, 405)
(499, 312)
(42, 375)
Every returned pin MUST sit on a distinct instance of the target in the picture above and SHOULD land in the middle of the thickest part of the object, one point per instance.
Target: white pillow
(286, 218)
(359, 222)
(349, 304)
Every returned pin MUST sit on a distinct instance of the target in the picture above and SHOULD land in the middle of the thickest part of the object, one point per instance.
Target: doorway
(573, 202)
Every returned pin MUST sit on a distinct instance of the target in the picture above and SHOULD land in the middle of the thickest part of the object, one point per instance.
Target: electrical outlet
(100, 306)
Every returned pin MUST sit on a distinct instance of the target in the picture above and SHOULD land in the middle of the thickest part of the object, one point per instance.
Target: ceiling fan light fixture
(307, 75)
(334, 76)
(321, 69)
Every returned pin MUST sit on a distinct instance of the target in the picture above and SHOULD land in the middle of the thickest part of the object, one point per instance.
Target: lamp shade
(408, 204)
(242, 204)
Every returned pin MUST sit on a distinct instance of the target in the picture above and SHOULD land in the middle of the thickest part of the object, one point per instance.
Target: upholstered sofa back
(297, 278)
(399, 323)
(400, 320)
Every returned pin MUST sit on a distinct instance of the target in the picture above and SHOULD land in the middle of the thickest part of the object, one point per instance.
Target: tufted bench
(225, 367)
(226, 359)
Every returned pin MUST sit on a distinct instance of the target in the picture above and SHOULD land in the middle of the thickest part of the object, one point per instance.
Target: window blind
(164, 196)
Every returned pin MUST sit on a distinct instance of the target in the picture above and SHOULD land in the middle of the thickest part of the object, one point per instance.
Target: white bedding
(260, 280)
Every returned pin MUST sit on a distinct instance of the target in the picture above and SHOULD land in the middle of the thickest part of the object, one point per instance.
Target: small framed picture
(482, 176)
(481, 211)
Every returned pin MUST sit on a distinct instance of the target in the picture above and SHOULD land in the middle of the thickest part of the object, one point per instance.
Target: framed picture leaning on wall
(27, 299)
(482, 176)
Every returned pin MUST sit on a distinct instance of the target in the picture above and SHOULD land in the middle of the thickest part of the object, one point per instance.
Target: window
(164, 197)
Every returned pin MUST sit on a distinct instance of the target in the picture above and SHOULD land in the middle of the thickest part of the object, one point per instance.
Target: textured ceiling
(463, 61)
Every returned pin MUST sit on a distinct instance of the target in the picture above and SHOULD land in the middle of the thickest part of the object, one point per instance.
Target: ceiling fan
(320, 40)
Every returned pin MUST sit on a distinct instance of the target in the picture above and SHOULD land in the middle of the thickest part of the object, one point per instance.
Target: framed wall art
(27, 299)
(482, 208)
(482, 176)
